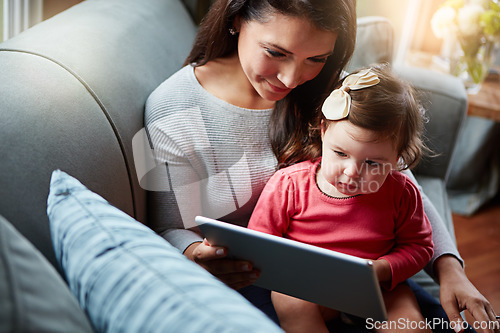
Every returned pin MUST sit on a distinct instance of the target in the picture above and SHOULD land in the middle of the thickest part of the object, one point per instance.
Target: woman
(243, 102)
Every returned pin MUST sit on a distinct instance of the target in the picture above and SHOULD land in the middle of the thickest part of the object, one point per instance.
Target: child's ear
(323, 129)
(400, 164)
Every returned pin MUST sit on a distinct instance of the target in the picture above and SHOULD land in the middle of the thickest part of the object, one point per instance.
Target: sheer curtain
(19, 15)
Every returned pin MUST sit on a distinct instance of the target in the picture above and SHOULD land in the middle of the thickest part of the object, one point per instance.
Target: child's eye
(371, 163)
(275, 54)
(340, 154)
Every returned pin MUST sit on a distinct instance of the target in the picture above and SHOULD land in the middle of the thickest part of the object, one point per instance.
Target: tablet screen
(332, 279)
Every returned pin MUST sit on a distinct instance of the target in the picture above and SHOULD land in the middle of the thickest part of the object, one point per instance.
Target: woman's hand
(235, 273)
(457, 293)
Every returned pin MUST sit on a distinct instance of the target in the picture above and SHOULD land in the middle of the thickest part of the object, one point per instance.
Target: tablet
(332, 279)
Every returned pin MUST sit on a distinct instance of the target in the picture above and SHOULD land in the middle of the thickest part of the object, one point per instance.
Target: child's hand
(383, 270)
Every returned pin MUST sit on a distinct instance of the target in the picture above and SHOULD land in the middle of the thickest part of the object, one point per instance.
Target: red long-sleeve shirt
(388, 224)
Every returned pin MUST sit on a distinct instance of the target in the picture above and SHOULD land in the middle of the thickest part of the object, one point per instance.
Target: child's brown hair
(389, 108)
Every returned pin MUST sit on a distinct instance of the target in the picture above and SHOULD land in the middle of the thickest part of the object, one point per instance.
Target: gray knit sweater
(217, 156)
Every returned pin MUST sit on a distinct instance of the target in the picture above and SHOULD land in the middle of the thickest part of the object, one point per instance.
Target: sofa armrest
(73, 90)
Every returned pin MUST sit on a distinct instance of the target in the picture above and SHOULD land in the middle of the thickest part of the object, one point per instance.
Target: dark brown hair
(292, 116)
(389, 108)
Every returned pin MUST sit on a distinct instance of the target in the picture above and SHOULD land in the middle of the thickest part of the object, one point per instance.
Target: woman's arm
(443, 243)
(456, 293)
(172, 212)
(180, 181)
(175, 200)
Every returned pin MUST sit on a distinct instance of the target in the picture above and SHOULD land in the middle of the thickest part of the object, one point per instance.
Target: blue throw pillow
(128, 279)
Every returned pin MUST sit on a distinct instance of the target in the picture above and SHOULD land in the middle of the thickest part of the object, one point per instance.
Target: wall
(53, 7)
(423, 38)
(395, 11)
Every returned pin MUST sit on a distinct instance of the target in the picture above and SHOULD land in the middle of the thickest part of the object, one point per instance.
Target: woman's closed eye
(275, 54)
(319, 60)
(280, 54)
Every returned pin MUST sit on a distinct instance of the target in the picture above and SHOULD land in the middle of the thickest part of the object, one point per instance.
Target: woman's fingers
(234, 273)
(205, 252)
(239, 280)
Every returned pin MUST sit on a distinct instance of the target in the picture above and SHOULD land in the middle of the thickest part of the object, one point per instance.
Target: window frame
(19, 15)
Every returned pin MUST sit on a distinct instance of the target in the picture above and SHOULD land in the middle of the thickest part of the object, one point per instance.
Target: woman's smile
(279, 90)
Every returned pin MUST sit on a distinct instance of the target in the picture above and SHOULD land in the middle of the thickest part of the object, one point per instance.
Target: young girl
(353, 199)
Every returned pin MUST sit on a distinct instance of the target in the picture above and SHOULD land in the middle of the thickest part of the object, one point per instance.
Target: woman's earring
(233, 31)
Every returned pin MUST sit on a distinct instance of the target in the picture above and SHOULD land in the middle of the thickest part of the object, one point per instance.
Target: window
(411, 21)
(19, 15)
(2, 20)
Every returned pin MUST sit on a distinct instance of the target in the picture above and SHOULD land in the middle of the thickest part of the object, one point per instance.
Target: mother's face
(282, 53)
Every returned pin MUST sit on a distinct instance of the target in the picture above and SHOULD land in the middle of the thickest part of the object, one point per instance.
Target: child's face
(354, 161)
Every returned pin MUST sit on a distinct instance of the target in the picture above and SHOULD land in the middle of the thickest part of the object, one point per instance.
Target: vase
(470, 60)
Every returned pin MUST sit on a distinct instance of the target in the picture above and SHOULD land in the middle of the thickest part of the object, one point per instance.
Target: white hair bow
(338, 104)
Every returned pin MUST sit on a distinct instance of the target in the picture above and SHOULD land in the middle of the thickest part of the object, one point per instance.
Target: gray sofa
(72, 95)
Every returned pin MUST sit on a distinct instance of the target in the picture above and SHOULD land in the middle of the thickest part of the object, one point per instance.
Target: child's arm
(414, 247)
(271, 214)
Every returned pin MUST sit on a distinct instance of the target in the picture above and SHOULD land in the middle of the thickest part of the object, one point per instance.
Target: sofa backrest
(72, 95)
(443, 96)
(374, 42)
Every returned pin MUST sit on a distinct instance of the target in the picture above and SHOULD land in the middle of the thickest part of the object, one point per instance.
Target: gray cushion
(33, 297)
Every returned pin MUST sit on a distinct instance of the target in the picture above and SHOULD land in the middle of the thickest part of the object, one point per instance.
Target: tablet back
(332, 279)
